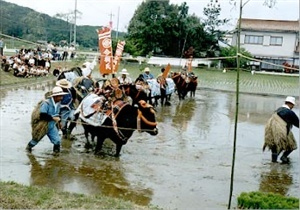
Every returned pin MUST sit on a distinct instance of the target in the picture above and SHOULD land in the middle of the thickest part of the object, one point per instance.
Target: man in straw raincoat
(278, 134)
(45, 120)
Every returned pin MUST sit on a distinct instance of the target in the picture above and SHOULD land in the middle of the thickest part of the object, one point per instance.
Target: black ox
(121, 123)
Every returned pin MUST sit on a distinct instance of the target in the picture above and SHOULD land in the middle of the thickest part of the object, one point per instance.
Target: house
(273, 41)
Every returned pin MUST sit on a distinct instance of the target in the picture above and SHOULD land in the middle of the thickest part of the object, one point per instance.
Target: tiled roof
(270, 25)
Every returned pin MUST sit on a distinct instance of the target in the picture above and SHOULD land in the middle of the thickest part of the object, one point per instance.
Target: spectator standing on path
(278, 134)
(1, 47)
(72, 52)
(47, 121)
(65, 53)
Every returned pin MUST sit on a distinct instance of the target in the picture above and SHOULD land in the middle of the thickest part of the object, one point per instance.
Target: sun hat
(63, 83)
(57, 91)
(147, 69)
(291, 100)
(124, 71)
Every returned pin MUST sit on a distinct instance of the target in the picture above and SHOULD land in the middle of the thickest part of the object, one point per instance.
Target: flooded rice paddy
(186, 166)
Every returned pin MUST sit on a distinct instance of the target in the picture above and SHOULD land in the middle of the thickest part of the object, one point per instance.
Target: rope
(108, 126)
(278, 65)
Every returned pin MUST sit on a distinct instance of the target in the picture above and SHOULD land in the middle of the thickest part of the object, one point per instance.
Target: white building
(274, 41)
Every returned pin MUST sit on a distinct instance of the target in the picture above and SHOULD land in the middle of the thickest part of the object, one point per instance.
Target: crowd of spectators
(61, 52)
(28, 63)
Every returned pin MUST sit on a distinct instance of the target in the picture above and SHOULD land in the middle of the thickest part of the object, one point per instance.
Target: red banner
(118, 55)
(105, 47)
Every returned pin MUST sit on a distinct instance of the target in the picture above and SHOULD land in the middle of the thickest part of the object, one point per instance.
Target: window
(250, 39)
(276, 40)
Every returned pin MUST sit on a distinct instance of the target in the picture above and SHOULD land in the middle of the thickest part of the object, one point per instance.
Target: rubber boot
(284, 158)
(274, 154)
(274, 157)
(56, 148)
(29, 147)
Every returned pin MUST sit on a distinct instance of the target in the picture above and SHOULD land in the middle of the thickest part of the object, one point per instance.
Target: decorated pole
(189, 64)
(166, 72)
(237, 102)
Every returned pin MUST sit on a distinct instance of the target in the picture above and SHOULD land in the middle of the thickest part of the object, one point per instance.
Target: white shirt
(126, 80)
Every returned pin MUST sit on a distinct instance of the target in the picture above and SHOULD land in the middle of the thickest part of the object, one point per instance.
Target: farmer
(147, 75)
(278, 134)
(124, 79)
(67, 107)
(47, 120)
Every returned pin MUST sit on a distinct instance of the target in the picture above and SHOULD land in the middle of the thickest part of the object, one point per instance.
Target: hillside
(28, 24)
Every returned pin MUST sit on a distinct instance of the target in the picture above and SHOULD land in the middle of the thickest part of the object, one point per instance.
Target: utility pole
(75, 23)
(110, 19)
(117, 32)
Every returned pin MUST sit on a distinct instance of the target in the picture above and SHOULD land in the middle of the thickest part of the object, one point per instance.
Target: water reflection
(277, 180)
(86, 174)
(184, 110)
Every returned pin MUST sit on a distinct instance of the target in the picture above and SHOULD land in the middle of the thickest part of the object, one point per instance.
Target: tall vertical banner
(118, 55)
(105, 47)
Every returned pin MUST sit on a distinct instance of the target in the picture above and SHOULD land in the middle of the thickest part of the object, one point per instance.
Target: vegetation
(25, 23)
(159, 27)
(212, 24)
(259, 200)
(16, 196)
(231, 52)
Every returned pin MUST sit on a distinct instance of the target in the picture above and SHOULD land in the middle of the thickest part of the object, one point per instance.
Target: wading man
(278, 134)
(67, 107)
(45, 120)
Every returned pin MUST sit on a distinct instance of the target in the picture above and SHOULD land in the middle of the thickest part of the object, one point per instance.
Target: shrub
(259, 200)
(231, 62)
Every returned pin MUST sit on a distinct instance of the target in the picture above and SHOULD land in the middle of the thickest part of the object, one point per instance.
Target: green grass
(207, 78)
(259, 200)
(16, 196)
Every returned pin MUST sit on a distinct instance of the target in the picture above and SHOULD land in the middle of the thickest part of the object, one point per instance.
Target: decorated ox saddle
(155, 86)
(95, 109)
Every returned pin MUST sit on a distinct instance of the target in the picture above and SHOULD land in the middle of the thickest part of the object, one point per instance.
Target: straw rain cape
(39, 128)
(276, 135)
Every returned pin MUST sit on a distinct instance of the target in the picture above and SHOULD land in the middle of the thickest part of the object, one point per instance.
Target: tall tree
(159, 27)
(212, 24)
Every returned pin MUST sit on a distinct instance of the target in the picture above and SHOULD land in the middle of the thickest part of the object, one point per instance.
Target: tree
(145, 28)
(212, 24)
(158, 27)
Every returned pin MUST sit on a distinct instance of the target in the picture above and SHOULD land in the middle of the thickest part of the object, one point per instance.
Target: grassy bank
(16, 196)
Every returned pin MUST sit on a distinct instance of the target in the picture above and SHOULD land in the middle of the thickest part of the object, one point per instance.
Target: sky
(100, 12)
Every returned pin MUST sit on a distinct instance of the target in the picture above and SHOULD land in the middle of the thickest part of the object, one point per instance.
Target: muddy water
(186, 166)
